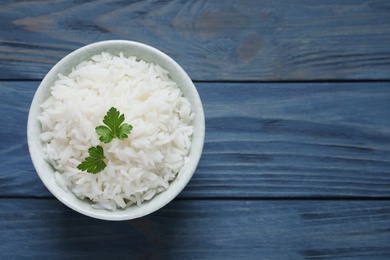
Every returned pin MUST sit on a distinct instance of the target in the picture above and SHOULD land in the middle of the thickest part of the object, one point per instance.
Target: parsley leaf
(94, 163)
(114, 127)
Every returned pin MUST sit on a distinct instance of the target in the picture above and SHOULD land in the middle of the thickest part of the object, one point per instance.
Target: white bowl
(128, 48)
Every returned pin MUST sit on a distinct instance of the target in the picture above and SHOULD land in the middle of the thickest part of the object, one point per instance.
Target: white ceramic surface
(129, 48)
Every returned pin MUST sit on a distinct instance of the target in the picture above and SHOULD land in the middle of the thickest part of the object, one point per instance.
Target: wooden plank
(212, 40)
(201, 229)
(262, 141)
(282, 140)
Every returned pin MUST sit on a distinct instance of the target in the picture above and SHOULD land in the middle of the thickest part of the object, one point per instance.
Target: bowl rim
(151, 54)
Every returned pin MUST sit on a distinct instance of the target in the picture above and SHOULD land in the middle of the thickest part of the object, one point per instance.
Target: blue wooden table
(296, 163)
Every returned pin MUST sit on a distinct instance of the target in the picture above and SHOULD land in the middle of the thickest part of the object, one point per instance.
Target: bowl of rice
(116, 130)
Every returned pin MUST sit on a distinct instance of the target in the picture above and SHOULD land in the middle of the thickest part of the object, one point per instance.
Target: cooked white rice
(138, 167)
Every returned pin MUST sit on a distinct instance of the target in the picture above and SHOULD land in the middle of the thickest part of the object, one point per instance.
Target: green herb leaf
(94, 163)
(105, 134)
(114, 127)
(123, 130)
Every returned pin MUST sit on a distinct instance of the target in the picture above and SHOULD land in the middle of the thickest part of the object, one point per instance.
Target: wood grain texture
(289, 170)
(200, 230)
(274, 140)
(213, 40)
